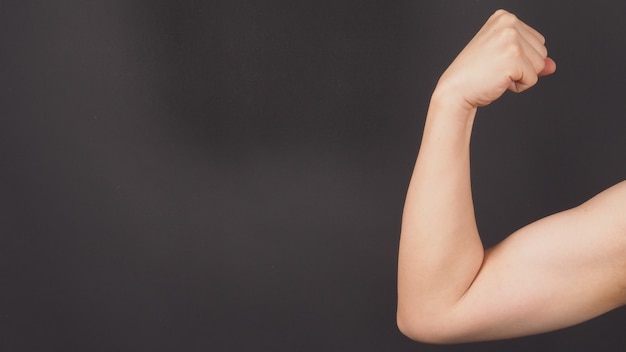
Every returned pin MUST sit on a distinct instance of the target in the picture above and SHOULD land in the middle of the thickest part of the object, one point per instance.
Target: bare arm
(556, 272)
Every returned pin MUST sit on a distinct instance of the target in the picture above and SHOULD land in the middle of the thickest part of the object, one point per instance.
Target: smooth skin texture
(557, 272)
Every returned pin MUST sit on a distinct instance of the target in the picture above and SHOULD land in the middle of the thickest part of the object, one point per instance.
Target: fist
(506, 54)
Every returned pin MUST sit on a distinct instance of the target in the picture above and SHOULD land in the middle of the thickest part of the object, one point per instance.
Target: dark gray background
(230, 175)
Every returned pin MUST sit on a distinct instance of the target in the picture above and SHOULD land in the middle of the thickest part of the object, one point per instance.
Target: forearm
(440, 249)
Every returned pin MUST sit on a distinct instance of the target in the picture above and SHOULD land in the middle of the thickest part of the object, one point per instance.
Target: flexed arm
(449, 288)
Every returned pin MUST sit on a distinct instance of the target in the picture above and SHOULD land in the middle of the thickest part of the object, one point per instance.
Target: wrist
(448, 99)
(449, 118)
(449, 107)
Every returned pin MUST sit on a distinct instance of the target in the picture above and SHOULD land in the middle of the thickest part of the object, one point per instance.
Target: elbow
(407, 327)
(425, 329)
(416, 329)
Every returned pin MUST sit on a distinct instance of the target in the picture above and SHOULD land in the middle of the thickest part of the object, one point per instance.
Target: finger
(533, 32)
(525, 76)
(537, 59)
(532, 39)
(549, 67)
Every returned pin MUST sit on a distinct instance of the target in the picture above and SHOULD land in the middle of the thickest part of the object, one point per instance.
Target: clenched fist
(505, 54)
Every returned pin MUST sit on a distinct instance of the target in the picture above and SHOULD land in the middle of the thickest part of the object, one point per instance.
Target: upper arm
(556, 272)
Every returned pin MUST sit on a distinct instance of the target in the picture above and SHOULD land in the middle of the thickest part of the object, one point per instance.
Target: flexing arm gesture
(556, 272)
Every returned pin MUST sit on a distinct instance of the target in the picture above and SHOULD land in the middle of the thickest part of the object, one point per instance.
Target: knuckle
(509, 36)
(496, 17)
(507, 19)
(500, 12)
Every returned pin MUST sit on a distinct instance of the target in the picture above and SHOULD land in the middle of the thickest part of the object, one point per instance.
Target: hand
(505, 54)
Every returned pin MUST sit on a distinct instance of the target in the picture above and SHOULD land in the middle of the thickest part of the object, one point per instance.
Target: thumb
(549, 68)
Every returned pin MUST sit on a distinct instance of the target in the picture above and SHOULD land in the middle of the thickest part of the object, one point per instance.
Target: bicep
(556, 272)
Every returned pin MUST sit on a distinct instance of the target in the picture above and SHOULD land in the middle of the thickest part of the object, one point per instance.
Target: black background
(230, 175)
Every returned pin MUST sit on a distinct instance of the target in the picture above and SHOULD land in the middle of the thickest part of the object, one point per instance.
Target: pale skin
(559, 271)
